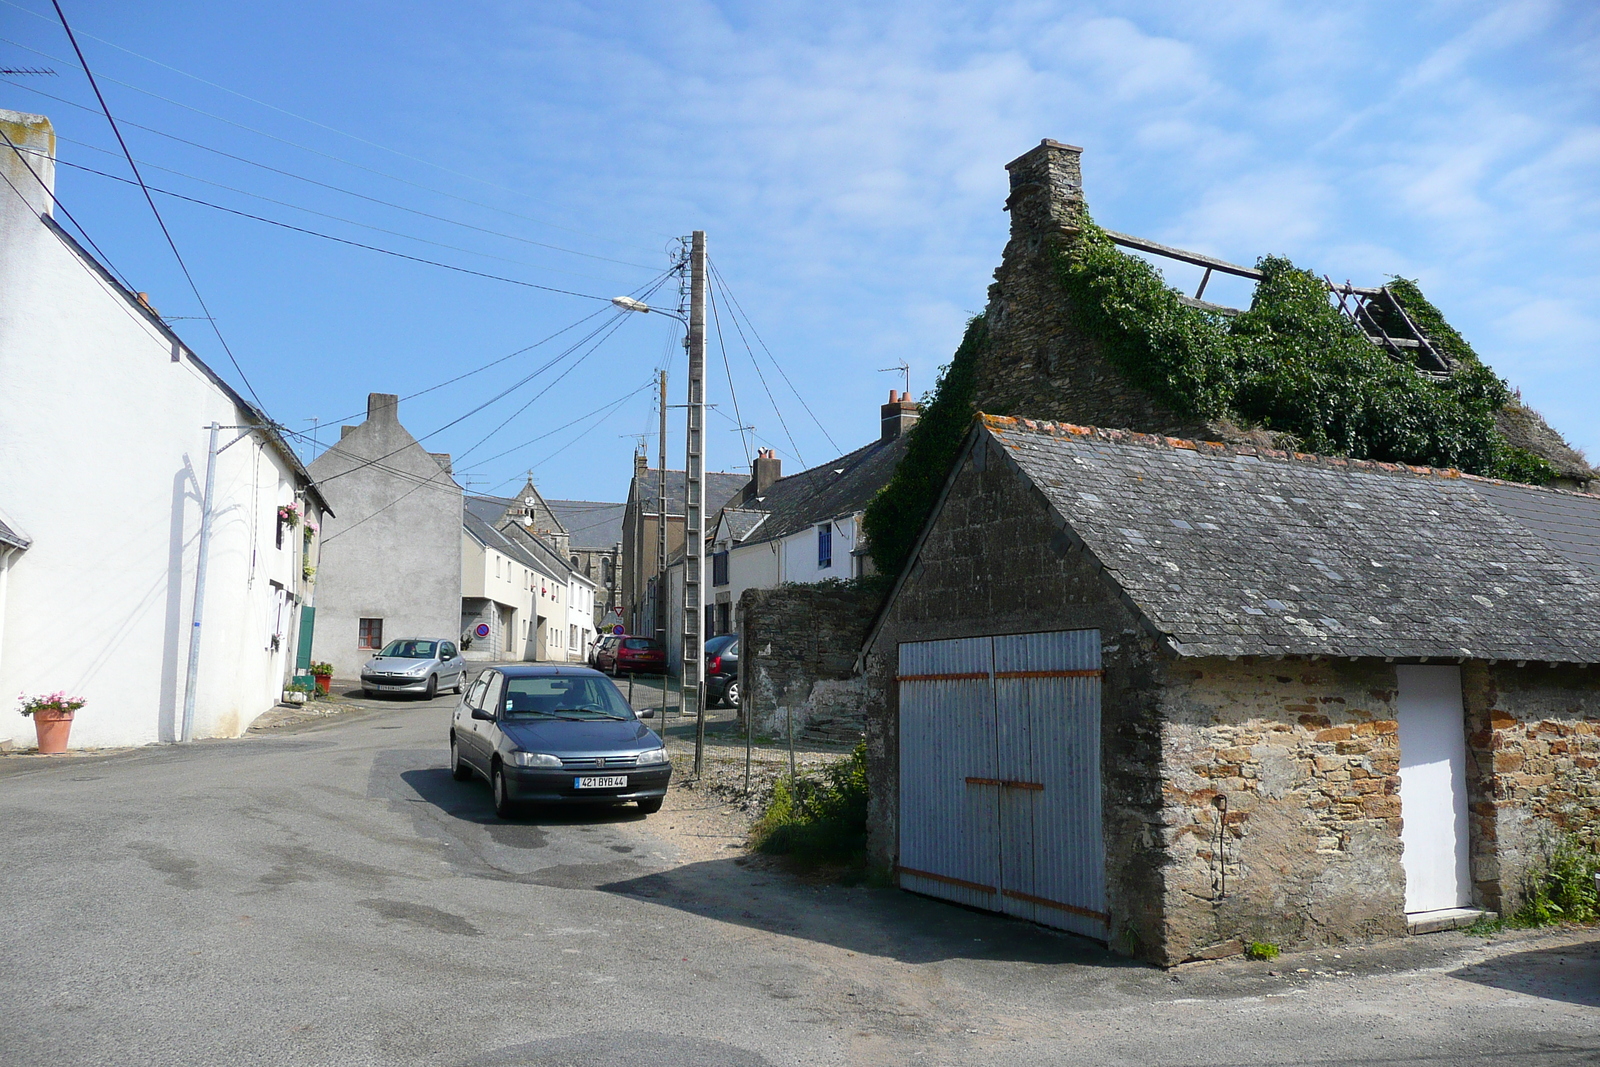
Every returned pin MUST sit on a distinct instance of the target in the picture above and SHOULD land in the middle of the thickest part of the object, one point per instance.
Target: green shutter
(308, 625)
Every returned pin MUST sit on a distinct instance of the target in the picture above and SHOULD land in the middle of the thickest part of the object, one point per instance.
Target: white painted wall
(102, 459)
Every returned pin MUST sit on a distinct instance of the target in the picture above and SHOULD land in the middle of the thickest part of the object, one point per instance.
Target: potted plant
(52, 719)
(323, 673)
(289, 515)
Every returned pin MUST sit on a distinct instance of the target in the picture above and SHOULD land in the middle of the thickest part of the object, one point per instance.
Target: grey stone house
(1181, 696)
(391, 556)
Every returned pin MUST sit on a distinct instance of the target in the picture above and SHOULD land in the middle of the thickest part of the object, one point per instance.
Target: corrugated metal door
(948, 830)
(1000, 737)
(1047, 693)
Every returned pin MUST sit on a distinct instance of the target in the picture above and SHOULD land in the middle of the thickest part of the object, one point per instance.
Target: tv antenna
(900, 368)
(13, 72)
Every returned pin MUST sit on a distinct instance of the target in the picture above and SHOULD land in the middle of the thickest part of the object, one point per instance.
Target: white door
(1433, 788)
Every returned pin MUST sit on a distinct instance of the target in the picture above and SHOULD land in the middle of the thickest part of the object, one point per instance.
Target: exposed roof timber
(1139, 244)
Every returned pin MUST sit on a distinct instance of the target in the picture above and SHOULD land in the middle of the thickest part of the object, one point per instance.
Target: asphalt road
(330, 896)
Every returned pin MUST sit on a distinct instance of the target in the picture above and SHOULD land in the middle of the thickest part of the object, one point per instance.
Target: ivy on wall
(895, 516)
(1292, 363)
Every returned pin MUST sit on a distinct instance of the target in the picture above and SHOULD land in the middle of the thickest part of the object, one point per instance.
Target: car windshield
(640, 644)
(562, 697)
(410, 649)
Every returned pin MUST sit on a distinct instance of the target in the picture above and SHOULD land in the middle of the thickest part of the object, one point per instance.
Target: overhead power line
(56, 202)
(340, 240)
(319, 152)
(84, 63)
(312, 181)
(728, 292)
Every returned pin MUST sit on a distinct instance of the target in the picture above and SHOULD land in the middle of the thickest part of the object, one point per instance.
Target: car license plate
(619, 782)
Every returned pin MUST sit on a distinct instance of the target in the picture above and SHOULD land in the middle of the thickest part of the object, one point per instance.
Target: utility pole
(694, 653)
(661, 547)
(186, 728)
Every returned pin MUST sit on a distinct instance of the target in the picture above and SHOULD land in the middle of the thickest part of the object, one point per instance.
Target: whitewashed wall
(102, 460)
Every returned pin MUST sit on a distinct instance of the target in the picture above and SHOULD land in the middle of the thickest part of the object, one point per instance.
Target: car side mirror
(479, 713)
(648, 714)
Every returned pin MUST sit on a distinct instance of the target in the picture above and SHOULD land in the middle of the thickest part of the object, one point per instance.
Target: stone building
(1039, 365)
(642, 609)
(391, 560)
(1182, 696)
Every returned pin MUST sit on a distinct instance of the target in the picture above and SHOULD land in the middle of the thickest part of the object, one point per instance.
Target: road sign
(482, 629)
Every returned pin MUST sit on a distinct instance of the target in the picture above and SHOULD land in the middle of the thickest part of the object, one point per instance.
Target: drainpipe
(187, 733)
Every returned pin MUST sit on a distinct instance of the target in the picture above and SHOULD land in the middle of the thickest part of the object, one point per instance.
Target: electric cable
(54, 200)
(534, 440)
(339, 240)
(301, 177)
(776, 410)
(728, 369)
(728, 292)
(325, 215)
(84, 63)
(301, 147)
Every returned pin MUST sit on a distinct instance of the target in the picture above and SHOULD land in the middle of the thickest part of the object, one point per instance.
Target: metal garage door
(1000, 775)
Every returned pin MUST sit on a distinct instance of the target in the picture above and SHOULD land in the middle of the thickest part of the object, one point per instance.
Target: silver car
(414, 665)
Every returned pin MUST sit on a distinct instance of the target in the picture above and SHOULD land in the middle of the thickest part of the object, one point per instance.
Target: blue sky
(847, 162)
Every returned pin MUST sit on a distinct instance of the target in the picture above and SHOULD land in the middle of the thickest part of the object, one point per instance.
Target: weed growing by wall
(821, 819)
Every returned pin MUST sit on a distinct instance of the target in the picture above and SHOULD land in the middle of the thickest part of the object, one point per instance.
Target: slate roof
(720, 487)
(1237, 551)
(526, 550)
(591, 525)
(839, 487)
(742, 522)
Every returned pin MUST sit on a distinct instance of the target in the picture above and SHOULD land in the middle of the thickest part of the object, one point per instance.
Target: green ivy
(1293, 363)
(895, 515)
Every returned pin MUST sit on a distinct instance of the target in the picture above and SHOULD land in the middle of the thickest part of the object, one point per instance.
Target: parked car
(722, 670)
(603, 643)
(414, 665)
(556, 735)
(632, 654)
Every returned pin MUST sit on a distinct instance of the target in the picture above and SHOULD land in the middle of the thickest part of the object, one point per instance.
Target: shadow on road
(755, 894)
(1567, 972)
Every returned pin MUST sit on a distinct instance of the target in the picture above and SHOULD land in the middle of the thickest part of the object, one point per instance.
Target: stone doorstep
(1432, 922)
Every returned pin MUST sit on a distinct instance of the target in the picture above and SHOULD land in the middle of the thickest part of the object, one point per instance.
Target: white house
(802, 529)
(104, 445)
(535, 604)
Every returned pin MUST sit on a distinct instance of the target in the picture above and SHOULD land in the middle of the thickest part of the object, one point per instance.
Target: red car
(632, 654)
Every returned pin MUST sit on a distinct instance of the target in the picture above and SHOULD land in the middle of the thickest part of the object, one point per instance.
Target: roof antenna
(902, 368)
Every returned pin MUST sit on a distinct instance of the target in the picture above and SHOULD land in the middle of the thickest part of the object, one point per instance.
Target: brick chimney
(897, 416)
(764, 470)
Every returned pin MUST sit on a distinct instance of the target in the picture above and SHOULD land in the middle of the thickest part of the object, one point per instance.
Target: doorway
(1433, 789)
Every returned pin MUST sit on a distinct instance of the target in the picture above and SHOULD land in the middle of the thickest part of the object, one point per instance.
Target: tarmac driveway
(326, 894)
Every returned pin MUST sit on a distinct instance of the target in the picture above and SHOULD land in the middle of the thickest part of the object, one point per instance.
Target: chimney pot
(897, 416)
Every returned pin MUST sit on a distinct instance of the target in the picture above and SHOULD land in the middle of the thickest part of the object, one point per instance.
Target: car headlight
(533, 759)
(421, 668)
(654, 756)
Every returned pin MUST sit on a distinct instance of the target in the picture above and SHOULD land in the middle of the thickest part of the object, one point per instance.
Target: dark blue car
(556, 735)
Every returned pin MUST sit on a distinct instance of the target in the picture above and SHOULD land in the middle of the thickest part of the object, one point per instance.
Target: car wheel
(650, 806)
(503, 806)
(458, 766)
(433, 687)
(730, 695)
(460, 681)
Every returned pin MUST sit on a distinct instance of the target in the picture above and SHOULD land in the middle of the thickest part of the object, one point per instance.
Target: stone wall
(1037, 364)
(1534, 741)
(1281, 804)
(797, 650)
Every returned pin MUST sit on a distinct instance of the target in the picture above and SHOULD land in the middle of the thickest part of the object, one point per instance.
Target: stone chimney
(641, 467)
(1036, 364)
(31, 168)
(766, 469)
(897, 416)
(383, 408)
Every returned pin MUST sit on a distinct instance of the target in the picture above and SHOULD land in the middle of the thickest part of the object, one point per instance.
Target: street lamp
(628, 303)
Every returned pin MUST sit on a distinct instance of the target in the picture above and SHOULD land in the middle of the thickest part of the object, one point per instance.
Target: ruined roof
(841, 486)
(1239, 551)
(590, 524)
(720, 487)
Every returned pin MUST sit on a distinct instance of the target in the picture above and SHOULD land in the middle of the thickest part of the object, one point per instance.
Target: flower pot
(52, 728)
(323, 681)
